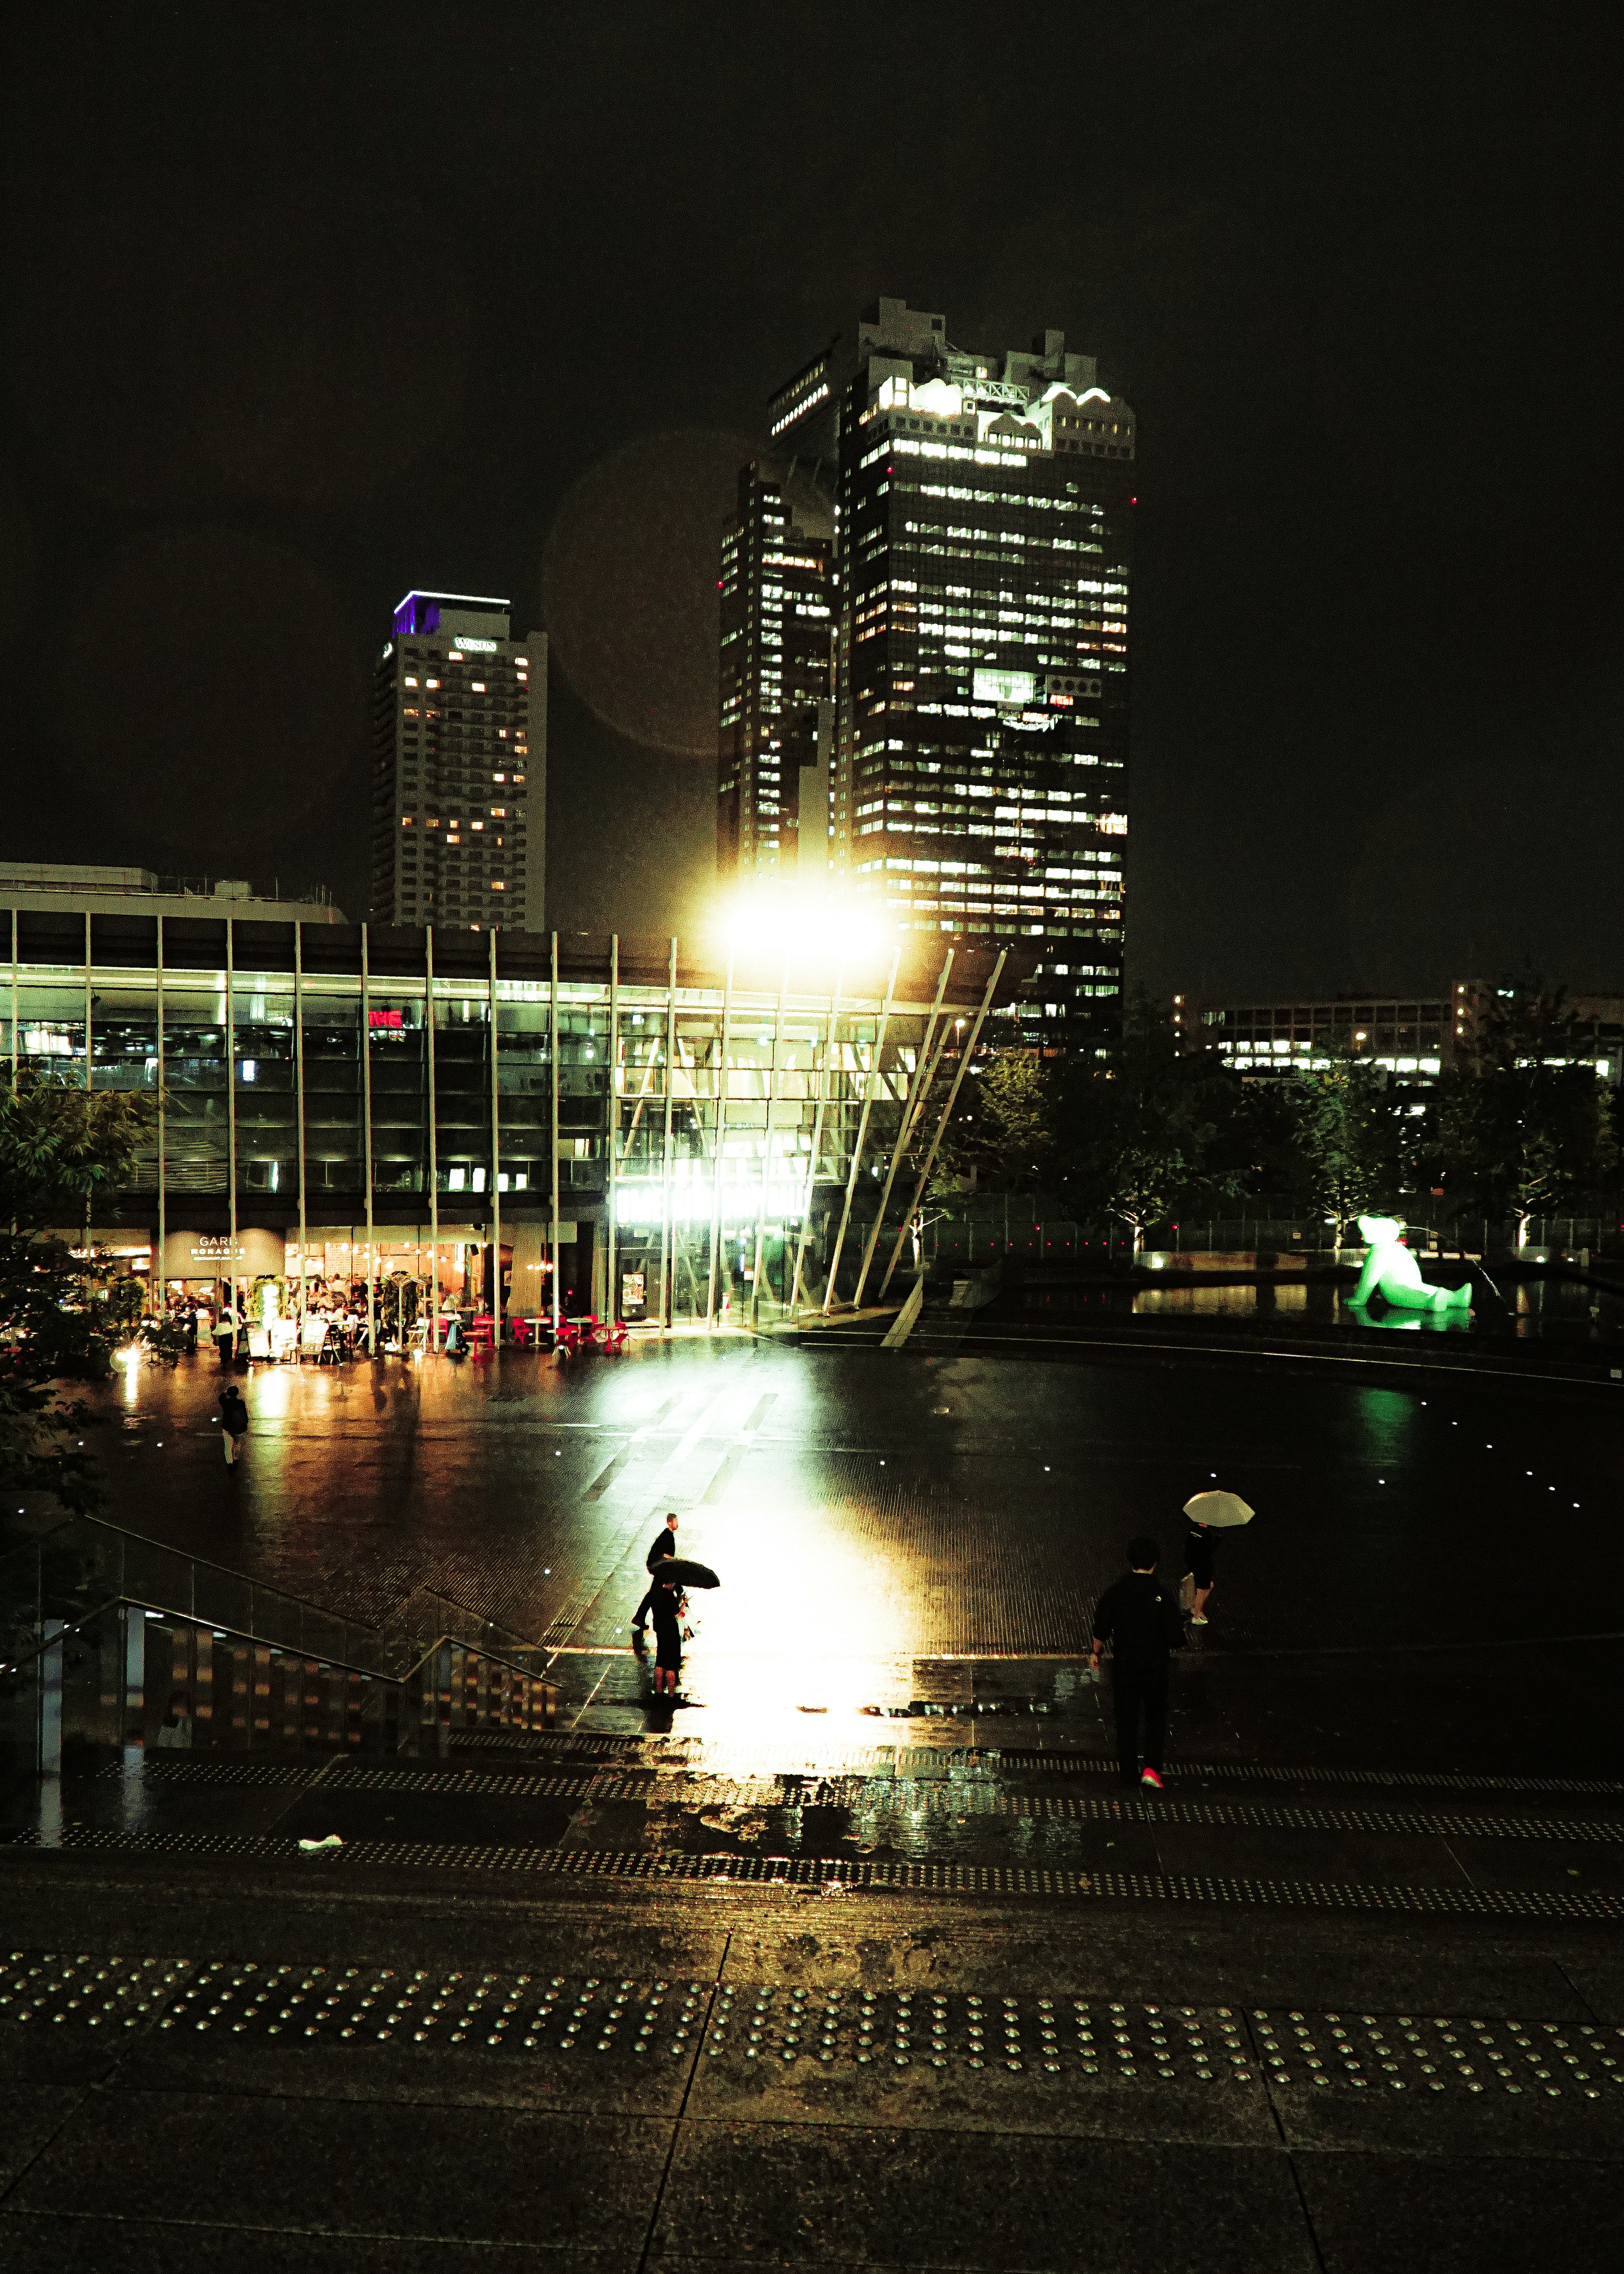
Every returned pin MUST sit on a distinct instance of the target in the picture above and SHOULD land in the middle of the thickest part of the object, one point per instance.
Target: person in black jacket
(667, 1633)
(662, 1543)
(233, 1421)
(1143, 1623)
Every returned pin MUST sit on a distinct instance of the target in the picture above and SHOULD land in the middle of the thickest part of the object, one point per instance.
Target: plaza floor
(859, 1955)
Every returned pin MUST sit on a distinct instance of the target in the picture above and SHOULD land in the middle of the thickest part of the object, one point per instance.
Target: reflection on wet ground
(909, 1543)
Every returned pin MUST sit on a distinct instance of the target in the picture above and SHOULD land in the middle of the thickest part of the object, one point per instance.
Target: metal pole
(367, 1139)
(496, 1165)
(965, 1057)
(231, 1113)
(863, 1126)
(613, 1116)
(159, 1274)
(721, 1134)
(428, 1017)
(14, 957)
(88, 1081)
(553, 1046)
(924, 1074)
(766, 1182)
(667, 1273)
(298, 1093)
(817, 1136)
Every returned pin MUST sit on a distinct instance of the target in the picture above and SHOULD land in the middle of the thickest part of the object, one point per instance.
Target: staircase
(112, 1645)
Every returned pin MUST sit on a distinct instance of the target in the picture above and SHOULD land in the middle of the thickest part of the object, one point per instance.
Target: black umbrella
(681, 1573)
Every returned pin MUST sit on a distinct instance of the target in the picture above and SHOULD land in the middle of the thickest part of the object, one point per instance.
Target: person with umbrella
(670, 1575)
(1208, 1514)
(662, 1543)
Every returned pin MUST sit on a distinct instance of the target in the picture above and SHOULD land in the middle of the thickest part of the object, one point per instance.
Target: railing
(1036, 1228)
(109, 1642)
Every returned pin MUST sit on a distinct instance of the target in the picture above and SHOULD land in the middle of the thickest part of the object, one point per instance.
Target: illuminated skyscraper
(982, 562)
(460, 768)
(775, 713)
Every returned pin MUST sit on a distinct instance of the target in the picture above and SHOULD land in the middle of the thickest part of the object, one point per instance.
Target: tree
(1002, 1135)
(61, 1150)
(1523, 1140)
(1138, 1129)
(1348, 1138)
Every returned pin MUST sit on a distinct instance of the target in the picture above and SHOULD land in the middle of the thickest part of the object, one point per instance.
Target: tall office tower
(460, 768)
(775, 715)
(982, 551)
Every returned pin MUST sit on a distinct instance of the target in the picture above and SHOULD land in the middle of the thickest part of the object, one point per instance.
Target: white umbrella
(1219, 1507)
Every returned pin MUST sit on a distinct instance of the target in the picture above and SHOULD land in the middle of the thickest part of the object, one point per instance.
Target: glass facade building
(775, 709)
(610, 1117)
(983, 564)
(459, 768)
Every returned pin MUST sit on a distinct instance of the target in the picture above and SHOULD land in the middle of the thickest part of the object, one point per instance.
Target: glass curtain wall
(713, 1143)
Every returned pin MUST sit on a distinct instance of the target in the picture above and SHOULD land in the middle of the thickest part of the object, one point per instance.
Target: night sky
(304, 307)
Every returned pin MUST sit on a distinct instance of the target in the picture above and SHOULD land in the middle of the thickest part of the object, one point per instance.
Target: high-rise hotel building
(982, 557)
(460, 768)
(774, 694)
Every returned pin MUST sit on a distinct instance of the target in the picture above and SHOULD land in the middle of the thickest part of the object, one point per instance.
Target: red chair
(611, 1337)
(484, 1334)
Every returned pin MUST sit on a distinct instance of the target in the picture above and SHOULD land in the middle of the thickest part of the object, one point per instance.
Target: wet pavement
(859, 1954)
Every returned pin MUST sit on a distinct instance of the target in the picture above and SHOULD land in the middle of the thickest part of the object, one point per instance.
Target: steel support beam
(965, 1057)
(924, 1074)
(888, 1006)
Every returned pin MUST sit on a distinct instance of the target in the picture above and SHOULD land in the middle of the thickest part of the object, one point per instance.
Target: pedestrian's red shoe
(1151, 1777)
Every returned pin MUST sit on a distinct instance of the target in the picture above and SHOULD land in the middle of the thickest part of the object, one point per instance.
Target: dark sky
(304, 307)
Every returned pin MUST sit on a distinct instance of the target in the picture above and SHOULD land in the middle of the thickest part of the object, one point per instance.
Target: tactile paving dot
(1032, 2035)
(95, 1993)
(1419, 2052)
(877, 2031)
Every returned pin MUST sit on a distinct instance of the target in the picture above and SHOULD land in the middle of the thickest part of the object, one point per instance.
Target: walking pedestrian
(667, 1636)
(225, 1331)
(1143, 1624)
(1200, 1545)
(662, 1543)
(233, 1421)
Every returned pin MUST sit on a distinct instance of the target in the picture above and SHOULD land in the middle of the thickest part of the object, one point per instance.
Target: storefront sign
(210, 1254)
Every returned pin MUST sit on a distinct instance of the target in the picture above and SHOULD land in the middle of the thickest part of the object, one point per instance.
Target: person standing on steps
(667, 1633)
(233, 1421)
(1200, 1541)
(1144, 1625)
(662, 1543)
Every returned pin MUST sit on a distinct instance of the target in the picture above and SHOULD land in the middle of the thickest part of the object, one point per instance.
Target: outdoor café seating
(591, 1333)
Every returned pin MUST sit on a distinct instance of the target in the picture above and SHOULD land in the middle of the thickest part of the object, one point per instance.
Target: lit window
(411, 681)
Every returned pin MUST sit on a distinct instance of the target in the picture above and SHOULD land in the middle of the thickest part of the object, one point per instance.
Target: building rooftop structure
(45, 885)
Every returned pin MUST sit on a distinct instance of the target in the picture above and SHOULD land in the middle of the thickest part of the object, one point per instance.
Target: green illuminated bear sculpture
(1391, 1271)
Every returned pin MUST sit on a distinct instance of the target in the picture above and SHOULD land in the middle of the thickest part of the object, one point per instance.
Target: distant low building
(63, 887)
(1415, 1037)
